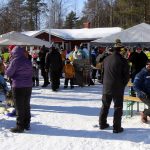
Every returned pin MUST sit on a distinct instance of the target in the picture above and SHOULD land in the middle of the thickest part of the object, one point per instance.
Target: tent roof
(77, 34)
(137, 34)
(21, 39)
(4, 41)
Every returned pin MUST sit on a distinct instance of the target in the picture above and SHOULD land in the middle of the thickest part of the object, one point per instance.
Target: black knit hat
(148, 61)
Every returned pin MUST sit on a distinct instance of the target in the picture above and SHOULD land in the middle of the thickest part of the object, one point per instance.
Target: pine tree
(33, 8)
(71, 20)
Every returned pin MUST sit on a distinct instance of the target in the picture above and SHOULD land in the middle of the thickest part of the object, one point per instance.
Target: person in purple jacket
(20, 72)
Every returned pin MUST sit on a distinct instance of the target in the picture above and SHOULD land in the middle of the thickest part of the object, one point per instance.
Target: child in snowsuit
(69, 74)
(35, 77)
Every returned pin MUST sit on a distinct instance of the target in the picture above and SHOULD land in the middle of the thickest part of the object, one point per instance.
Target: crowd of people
(21, 69)
(113, 67)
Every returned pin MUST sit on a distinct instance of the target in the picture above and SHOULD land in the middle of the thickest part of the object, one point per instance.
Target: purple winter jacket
(20, 69)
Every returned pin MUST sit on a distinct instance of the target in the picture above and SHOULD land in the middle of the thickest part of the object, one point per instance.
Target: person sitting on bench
(141, 85)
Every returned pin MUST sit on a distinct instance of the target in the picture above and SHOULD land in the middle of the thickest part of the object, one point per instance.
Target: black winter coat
(53, 61)
(116, 74)
(42, 55)
(138, 61)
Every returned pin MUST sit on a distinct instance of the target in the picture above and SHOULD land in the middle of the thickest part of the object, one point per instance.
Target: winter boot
(104, 126)
(17, 129)
(45, 85)
(27, 127)
(33, 85)
(119, 130)
(65, 86)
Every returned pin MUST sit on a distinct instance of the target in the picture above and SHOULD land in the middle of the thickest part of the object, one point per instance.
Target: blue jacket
(3, 84)
(20, 69)
(141, 83)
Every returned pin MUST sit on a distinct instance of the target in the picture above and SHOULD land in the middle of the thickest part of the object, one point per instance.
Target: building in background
(68, 38)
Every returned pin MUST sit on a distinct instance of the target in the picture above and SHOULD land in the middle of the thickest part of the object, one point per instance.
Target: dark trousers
(35, 80)
(45, 76)
(94, 71)
(147, 102)
(132, 80)
(71, 82)
(55, 79)
(118, 106)
(79, 80)
(22, 105)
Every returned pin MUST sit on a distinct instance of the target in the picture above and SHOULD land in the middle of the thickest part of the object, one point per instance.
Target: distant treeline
(26, 15)
(122, 13)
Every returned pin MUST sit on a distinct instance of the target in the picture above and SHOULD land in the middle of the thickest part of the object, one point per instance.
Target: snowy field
(66, 120)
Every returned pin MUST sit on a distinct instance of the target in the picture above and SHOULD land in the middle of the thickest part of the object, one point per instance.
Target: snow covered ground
(66, 120)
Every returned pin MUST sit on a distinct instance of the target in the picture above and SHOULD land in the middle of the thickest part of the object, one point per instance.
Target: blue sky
(80, 4)
(75, 4)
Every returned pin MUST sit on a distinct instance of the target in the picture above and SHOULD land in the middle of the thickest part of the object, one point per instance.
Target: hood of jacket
(18, 52)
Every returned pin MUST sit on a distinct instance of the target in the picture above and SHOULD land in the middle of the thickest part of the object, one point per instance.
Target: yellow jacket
(69, 71)
(5, 57)
(148, 54)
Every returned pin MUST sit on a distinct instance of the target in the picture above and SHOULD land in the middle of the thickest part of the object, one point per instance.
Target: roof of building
(77, 34)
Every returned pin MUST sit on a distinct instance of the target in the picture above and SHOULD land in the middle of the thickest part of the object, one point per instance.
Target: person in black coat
(116, 76)
(42, 56)
(55, 66)
(138, 59)
(93, 55)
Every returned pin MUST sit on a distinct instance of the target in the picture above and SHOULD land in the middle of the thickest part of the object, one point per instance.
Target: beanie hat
(118, 43)
(10, 47)
(34, 55)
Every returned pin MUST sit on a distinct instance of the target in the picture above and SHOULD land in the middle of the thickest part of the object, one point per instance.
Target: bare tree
(11, 15)
(57, 11)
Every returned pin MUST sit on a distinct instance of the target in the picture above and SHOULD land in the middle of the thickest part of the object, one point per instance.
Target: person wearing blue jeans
(141, 85)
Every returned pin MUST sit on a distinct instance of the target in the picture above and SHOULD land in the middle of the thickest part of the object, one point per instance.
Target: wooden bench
(130, 101)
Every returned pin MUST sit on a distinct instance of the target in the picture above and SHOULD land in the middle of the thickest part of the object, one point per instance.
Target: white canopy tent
(139, 34)
(4, 42)
(16, 38)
